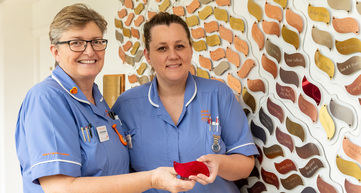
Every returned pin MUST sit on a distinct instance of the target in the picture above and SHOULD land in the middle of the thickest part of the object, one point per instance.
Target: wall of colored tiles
(294, 66)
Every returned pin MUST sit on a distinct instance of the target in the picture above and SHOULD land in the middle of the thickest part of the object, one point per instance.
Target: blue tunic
(157, 141)
(49, 138)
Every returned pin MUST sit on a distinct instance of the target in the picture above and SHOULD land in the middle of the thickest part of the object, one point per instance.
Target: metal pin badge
(216, 147)
(74, 90)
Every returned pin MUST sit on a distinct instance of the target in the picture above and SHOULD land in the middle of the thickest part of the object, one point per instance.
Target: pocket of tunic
(94, 155)
(214, 142)
(136, 152)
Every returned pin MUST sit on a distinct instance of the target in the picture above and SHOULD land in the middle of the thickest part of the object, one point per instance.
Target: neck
(171, 90)
(172, 97)
(86, 86)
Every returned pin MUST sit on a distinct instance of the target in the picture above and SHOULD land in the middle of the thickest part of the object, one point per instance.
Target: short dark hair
(163, 18)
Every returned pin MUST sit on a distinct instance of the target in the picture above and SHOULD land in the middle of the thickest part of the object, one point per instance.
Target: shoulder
(47, 93)
(131, 99)
(138, 92)
(48, 87)
(210, 85)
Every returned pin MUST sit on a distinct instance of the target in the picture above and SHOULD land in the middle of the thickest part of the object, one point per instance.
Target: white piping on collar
(194, 94)
(190, 100)
(150, 100)
(87, 102)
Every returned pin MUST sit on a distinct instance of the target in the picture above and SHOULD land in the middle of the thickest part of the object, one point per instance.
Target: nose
(88, 49)
(172, 53)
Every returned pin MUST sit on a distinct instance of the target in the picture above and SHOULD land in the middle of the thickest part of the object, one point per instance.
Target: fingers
(184, 178)
(200, 159)
(202, 179)
(199, 180)
(187, 185)
(166, 179)
(182, 185)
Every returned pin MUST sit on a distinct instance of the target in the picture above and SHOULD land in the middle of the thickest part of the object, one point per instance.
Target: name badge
(102, 133)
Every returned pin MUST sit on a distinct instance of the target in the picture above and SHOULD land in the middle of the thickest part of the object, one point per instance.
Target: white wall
(17, 77)
(25, 59)
(2, 124)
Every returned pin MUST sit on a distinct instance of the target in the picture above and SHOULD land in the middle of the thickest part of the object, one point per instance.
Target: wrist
(152, 177)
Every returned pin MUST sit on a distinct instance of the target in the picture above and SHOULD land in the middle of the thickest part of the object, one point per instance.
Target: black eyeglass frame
(85, 45)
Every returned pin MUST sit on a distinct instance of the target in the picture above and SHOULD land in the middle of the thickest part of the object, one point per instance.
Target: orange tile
(127, 45)
(129, 19)
(211, 26)
(226, 34)
(193, 6)
(217, 54)
(122, 13)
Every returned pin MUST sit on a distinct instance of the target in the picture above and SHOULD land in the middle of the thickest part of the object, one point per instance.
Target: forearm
(236, 166)
(162, 178)
(128, 183)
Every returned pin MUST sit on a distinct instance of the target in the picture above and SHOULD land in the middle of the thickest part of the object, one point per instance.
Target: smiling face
(170, 53)
(84, 65)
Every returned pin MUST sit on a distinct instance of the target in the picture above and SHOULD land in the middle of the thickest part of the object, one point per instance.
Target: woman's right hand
(165, 178)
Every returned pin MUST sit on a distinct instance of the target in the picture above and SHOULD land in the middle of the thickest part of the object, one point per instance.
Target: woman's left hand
(229, 167)
(213, 162)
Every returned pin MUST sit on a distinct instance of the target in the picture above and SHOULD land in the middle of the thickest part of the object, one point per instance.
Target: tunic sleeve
(52, 137)
(236, 133)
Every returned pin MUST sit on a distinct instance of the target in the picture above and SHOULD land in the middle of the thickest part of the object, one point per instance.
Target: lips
(87, 61)
(173, 65)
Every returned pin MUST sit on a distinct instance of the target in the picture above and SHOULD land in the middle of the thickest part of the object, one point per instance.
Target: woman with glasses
(67, 138)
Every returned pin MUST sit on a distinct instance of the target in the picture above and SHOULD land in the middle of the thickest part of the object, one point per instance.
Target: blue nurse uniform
(59, 131)
(157, 141)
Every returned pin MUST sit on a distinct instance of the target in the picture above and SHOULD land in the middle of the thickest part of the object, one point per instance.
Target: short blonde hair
(74, 16)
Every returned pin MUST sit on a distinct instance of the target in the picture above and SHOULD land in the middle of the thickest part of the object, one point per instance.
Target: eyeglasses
(80, 45)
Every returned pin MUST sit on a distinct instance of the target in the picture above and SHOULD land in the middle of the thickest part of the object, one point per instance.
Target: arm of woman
(230, 167)
(164, 178)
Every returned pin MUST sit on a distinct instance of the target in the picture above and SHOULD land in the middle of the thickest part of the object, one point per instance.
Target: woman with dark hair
(180, 117)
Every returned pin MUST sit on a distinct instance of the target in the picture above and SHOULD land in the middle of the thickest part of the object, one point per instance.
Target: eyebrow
(164, 43)
(81, 38)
